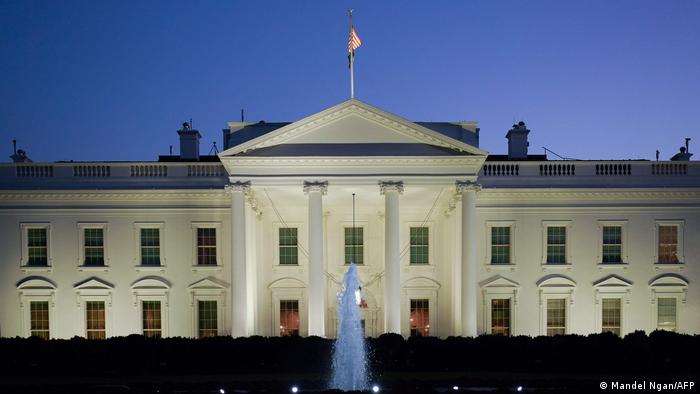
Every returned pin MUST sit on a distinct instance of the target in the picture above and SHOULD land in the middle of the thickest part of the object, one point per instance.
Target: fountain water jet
(349, 353)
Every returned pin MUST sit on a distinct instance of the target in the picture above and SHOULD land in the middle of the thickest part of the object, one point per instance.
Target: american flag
(353, 41)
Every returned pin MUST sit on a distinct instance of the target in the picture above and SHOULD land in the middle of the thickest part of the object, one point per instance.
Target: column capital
(464, 186)
(319, 186)
(387, 186)
(238, 187)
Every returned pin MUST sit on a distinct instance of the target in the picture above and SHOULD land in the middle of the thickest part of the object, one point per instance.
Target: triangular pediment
(352, 123)
(499, 281)
(208, 283)
(93, 284)
(612, 281)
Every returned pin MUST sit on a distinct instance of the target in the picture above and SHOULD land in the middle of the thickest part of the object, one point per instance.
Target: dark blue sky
(113, 80)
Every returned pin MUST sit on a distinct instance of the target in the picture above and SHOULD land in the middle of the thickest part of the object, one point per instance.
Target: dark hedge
(659, 352)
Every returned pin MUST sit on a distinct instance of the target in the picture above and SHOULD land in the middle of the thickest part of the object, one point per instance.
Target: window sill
(140, 268)
(669, 266)
(93, 268)
(553, 266)
(207, 268)
(603, 266)
(500, 267)
(36, 268)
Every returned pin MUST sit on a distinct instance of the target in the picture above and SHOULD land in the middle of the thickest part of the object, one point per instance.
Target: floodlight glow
(295, 389)
(375, 389)
(455, 388)
(222, 391)
(519, 388)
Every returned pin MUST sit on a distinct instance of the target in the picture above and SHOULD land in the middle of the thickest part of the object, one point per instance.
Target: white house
(448, 239)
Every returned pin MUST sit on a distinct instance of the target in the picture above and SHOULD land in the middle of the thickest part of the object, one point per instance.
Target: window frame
(208, 289)
(429, 326)
(669, 286)
(360, 225)
(195, 246)
(415, 289)
(556, 287)
(546, 224)
(680, 227)
(138, 226)
(288, 289)
(152, 288)
(301, 242)
(624, 258)
(500, 288)
(612, 286)
(82, 226)
(298, 302)
(34, 289)
(500, 223)
(430, 245)
(24, 257)
(94, 289)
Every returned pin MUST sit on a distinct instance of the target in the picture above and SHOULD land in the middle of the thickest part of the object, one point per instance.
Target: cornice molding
(239, 161)
(568, 193)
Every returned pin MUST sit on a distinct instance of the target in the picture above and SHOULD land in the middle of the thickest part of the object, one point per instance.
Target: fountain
(349, 353)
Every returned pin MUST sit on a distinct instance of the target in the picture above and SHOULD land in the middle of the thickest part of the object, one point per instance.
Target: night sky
(113, 80)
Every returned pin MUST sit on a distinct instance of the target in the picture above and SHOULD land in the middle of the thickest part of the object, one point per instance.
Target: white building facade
(447, 239)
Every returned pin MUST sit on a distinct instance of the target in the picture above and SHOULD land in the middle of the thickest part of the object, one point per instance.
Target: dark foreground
(487, 364)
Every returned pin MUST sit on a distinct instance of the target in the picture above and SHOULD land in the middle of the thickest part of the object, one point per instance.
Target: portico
(405, 176)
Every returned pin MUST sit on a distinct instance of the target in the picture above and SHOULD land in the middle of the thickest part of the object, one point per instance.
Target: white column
(239, 313)
(468, 191)
(392, 256)
(317, 277)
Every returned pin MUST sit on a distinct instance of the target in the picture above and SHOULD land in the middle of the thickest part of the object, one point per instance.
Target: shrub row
(659, 352)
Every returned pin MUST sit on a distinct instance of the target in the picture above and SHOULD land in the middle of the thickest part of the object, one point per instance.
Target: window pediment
(612, 281)
(94, 283)
(668, 281)
(556, 281)
(35, 283)
(499, 281)
(208, 283)
(287, 283)
(421, 283)
(151, 282)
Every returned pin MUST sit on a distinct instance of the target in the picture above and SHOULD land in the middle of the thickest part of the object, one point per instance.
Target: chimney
(19, 156)
(189, 142)
(517, 141)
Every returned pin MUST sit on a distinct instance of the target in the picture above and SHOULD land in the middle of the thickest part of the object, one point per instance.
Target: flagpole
(352, 65)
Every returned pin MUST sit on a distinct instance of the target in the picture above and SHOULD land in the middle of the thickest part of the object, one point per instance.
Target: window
(39, 319)
(556, 316)
(95, 319)
(152, 326)
(289, 318)
(556, 245)
(206, 246)
(612, 315)
(420, 318)
(668, 244)
(354, 245)
(667, 316)
(150, 246)
(612, 244)
(500, 245)
(288, 244)
(500, 316)
(94, 246)
(207, 318)
(420, 245)
(37, 247)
